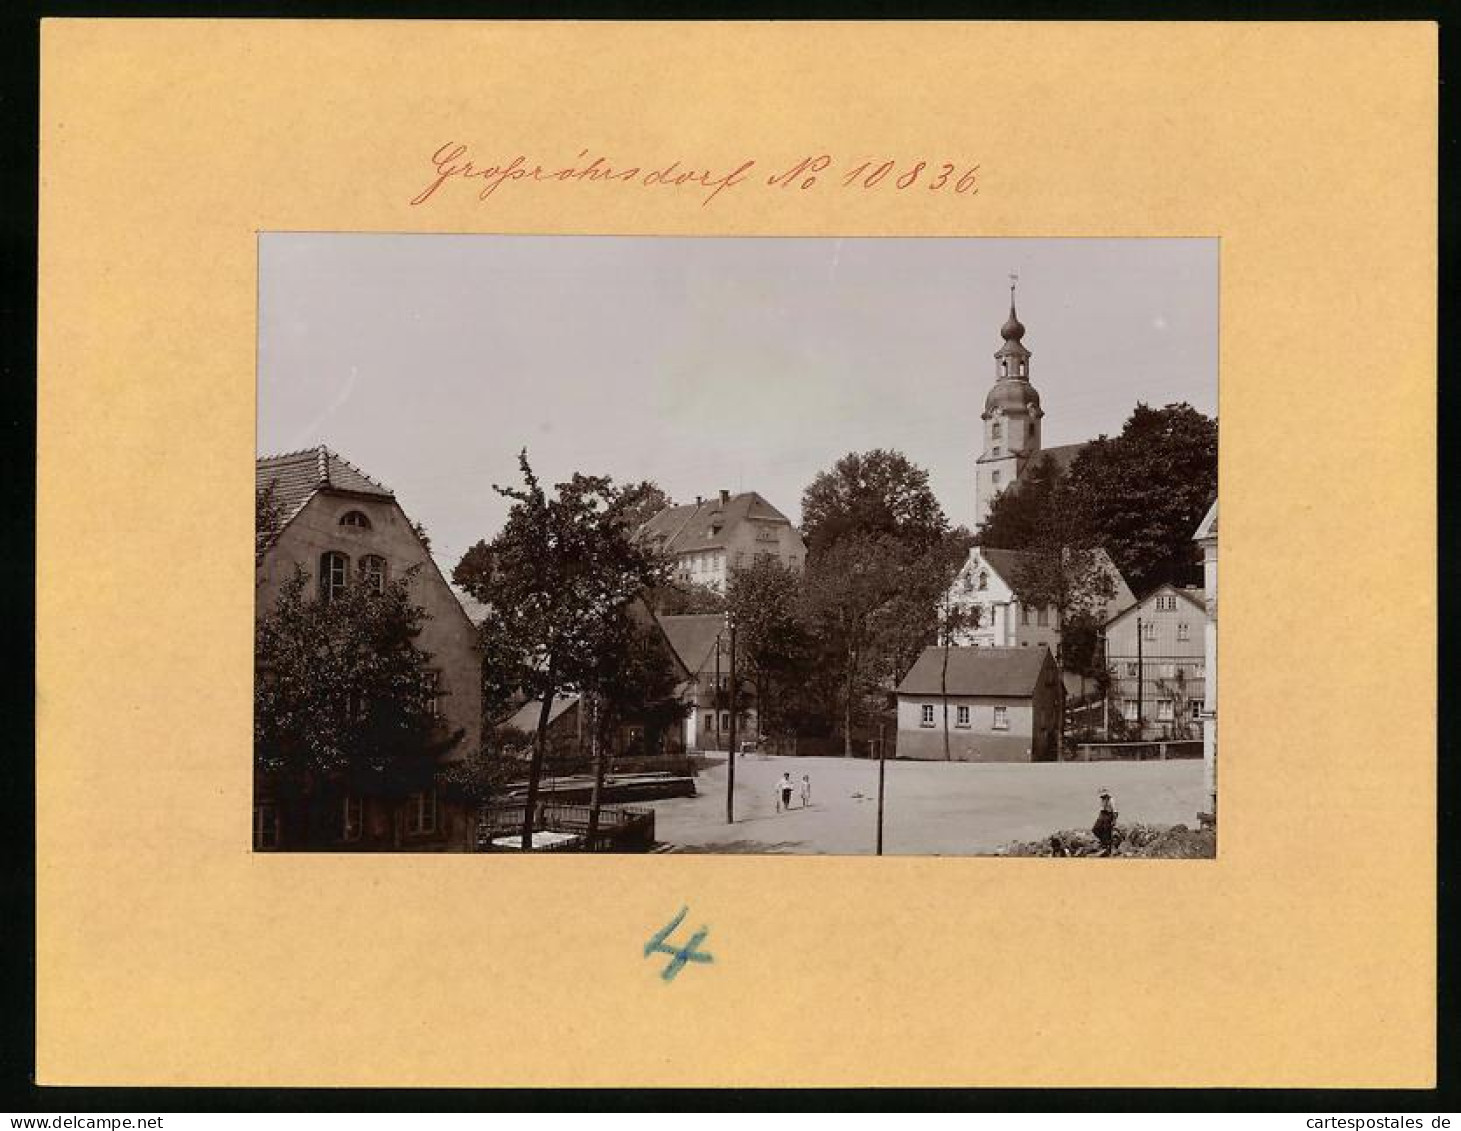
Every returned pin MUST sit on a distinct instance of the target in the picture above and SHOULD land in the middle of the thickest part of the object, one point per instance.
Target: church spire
(1012, 359)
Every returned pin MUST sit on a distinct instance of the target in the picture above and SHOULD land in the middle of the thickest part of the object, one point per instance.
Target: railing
(621, 828)
(1154, 750)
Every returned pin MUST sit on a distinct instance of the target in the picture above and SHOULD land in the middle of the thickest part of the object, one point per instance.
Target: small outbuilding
(1003, 705)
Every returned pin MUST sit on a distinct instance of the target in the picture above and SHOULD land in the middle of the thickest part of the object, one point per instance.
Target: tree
(1145, 491)
(342, 694)
(876, 493)
(765, 600)
(682, 598)
(556, 580)
(268, 518)
(631, 678)
(1015, 514)
(642, 501)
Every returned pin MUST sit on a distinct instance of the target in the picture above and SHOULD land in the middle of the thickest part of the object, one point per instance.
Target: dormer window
(356, 519)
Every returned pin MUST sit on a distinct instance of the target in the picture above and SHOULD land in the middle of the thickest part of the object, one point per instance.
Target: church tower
(1011, 417)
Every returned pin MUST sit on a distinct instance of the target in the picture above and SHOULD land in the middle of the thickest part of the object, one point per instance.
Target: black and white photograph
(824, 546)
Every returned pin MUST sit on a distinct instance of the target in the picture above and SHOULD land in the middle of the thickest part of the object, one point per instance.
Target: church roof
(1009, 672)
(708, 525)
(1063, 455)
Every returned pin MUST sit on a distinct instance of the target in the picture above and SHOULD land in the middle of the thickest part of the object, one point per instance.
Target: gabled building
(987, 581)
(1156, 652)
(1207, 538)
(701, 644)
(346, 529)
(1003, 705)
(709, 538)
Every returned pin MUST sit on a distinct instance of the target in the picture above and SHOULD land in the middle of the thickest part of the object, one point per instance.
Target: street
(931, 808)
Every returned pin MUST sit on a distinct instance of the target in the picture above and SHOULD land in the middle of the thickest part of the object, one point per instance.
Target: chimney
(724, 497)
(698, 500)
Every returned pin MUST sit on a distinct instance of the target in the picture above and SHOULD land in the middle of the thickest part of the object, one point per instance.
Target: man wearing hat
(1105, 826)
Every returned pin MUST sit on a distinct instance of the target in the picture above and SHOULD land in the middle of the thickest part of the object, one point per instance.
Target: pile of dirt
(1169, 842)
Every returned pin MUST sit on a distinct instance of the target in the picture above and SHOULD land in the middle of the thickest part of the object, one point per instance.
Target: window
(1168, 671)
(995, 430)
(983, 580)
(421, 813)
(1042, 615)
(1182, 631)
(1197, 705)
(334, 573)
(432, 680)
(1149, 630)
(709, 720)
(373, 572)
(1164, 710)
(766, 533)
(1024, 614)
(997, 451)
(356, 519)
(1130, 709)
(1001, 718)
(961, 718)
(1132, 671)
(725, 720)
(994, 476)
(926, 716)
(352, 815)
(266, 825)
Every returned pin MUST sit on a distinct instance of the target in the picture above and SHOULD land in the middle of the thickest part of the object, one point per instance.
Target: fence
(1136, 751)
(621, 828)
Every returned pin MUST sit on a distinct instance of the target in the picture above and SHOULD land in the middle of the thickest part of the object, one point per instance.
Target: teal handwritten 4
(685, 954)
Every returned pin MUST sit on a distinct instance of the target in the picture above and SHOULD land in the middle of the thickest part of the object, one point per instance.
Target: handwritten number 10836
(870, 174)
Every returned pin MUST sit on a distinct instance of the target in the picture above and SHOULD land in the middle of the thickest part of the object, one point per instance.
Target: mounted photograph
(838, 546)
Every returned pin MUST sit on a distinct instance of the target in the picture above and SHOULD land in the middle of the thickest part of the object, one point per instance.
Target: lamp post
(730, 775)
(882, 766)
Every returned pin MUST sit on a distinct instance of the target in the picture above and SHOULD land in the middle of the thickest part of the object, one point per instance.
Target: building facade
(702, 644)
(1207, 538)
(1156, 652)
(994, 704)
(986, 583)
(344, 529)
(708, 539)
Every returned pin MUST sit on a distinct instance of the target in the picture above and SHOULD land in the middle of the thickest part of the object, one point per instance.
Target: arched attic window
(356, 519)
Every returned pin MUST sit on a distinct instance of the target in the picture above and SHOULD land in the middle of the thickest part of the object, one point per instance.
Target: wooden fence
(622, 828)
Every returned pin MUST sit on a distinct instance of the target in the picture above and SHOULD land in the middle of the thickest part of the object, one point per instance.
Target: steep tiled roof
(1006, 563)
(977, 671)
(296, 477)
(692, 636)
(1063, 455)
(688, 527)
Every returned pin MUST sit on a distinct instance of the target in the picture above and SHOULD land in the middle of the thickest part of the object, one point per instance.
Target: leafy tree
(771, 637)
(557, 581)
(268, 518)
(341, 697)
(631, 678)
(682, 598)
(642, 501)
(1016, 512)
(1145, 491)
(420, 531)
(878, 493)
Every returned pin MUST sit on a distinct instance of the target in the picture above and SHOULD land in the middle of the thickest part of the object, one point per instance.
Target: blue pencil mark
(680, 957)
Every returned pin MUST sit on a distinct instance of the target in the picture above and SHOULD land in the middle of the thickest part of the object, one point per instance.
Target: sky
(429, 361)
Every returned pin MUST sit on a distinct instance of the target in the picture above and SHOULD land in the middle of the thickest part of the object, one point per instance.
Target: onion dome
(1014, 397)
(1013, 329)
